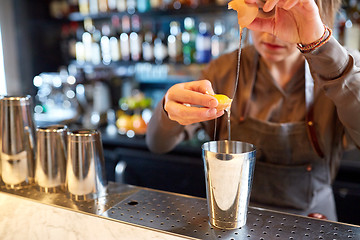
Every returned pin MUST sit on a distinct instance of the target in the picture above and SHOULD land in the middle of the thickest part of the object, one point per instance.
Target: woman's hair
(328, 10)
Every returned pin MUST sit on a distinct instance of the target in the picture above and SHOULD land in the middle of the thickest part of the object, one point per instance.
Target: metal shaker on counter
(17, 148)
(229, 168)
(50, 171)
(85, 172)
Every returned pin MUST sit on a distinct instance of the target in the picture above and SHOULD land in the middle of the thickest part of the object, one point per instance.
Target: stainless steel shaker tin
(17, 142)
(50, 171)
(85, 172)
(229, 167)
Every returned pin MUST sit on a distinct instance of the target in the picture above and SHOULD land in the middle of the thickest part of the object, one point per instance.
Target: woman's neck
(283, 71)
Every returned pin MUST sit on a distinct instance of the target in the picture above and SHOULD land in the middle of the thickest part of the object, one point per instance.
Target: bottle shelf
(158, 13)
(145, 72)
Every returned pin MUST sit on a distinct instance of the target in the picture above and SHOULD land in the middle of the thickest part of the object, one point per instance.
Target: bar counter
(130, 212)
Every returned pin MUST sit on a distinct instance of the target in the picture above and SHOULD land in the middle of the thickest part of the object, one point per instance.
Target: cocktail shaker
(50, 171)
(85, 172)
(229, 168)
(17, 142)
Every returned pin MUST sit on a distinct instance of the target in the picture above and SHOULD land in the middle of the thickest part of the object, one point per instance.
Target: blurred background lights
(37, 81)
(57, 82)
(71, 80)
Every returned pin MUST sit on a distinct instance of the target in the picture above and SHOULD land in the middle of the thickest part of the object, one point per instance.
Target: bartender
(298, 96)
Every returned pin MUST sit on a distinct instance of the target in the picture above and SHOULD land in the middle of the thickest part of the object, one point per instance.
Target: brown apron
(291, 173)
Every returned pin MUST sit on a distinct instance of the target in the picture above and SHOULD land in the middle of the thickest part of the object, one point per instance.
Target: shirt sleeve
(164, 134)
(337, 72)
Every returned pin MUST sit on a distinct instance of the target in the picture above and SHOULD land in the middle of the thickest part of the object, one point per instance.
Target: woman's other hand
(294, 21)
(191, 102)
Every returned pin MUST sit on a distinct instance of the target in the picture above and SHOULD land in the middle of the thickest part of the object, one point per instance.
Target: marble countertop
(130, 212)
(22, 218)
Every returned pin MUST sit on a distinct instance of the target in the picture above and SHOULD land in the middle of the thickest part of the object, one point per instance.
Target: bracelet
(307, 48)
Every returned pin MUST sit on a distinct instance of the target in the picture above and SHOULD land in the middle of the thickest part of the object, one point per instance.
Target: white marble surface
(22, 218)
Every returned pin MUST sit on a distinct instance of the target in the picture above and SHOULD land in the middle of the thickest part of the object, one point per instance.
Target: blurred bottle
(160, 48)
(155, 4)
(353, 11)
(101, 97)
(131, 6)
(188, 40)
(87, 39)
(339, 29)
(148, 44)
(93, 6)
(232, 38)
(103, 6)
(105, 44)
(177, 4)
(136, 38)
(73, 6)
(166, 4)
(175, 43)
(124, 38)
(203, 43)
(95, 47)
(221, 2)
(112, 5)
(218, 40)
(143, 5)
(79, 46)
(121, 5)
(194, 3)
(115, 39)
(84, 7)
(59, 8)
(91, 42)
(352, 25)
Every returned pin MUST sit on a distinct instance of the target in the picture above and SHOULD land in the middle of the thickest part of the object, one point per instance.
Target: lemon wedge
(224, 102)
(246, 12)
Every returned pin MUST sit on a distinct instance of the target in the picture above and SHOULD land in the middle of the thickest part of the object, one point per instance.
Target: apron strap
(311, 131)
(309, 102)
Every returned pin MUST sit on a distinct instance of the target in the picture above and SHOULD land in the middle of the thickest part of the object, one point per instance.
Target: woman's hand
(294, 21)
(191, 102)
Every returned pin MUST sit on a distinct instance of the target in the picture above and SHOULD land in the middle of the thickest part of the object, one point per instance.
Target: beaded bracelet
(306, 48)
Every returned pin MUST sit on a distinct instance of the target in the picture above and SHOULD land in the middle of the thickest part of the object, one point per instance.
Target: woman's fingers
(191, 102)
(251, 1)
(193, 93)
(263, 25)
(201, 86)
(293, 21)
(193, 98)
(269, 5)
(187, 115)
(290, 4)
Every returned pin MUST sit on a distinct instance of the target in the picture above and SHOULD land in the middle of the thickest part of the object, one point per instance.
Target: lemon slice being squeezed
(224, 102)
(246, 12)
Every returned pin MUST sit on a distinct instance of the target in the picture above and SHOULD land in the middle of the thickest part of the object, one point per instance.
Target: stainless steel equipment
(50, 169)
(17, 141)
(85, 172)
(229, 168)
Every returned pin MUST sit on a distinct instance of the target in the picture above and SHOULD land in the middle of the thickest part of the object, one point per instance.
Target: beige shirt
(336, 106)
